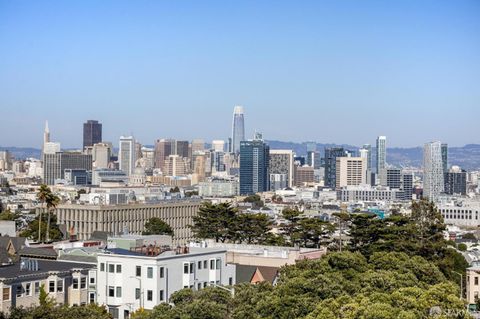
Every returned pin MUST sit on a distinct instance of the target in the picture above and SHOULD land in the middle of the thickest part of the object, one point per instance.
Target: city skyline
(54, 137)
(166, 69)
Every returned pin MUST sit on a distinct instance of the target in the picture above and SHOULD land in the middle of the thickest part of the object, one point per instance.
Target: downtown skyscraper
(92, 133)
(254, 166)
(238, 129)
(381, 157)
(126, 154)
(433, 178)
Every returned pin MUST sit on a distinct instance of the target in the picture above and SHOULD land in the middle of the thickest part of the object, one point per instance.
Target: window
(119, 269)
(6, 293)
(149, 272)
(19, 291)
(137, 293)
(91, 297)
(92, 280)
(162, 272)
(199, 286)
(111, 268)
(205, 264)
(83, 282)
(199, 266)
(113, 312)
(51, 286)
(230, 281)
(138, 271)
(37, 287)
(219, 264)
(205, 284)
(75, 283)
(111, 291)
(185, 268)
(102, 266)
(476, 281)
(60, 285)
(192, 266)
(212, 264)
(161, 295)
(119, 292)
(149, 295)
(28, 289)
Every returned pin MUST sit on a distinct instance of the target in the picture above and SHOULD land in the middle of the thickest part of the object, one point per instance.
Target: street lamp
(141, 291)
(461, 283)
(230, 290)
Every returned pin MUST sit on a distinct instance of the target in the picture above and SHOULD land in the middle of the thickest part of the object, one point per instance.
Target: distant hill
(467, 157)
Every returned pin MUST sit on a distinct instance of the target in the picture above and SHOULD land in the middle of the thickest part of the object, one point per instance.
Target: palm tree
(52, 202)
(43, 194)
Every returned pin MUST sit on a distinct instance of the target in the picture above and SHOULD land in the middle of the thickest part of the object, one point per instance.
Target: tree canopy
(156, 226)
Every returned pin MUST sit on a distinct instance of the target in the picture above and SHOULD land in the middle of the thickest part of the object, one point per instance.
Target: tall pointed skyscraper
(238, 129)
(46, 133)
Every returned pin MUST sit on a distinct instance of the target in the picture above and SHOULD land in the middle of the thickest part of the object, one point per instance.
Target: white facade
(101, 154)
(473, 284)
(218, 145)
(381, 157)
(367, 193)
(466, 215)
(127, 282)
(433, 184)
(218, 188)
(51, 148)
(351, 171)
(126, 154)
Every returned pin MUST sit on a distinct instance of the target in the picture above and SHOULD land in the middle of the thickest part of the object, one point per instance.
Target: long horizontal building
(465, 215)
(367, 193)
(115, 219)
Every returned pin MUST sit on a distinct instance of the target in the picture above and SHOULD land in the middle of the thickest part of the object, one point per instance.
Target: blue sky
(330, 71)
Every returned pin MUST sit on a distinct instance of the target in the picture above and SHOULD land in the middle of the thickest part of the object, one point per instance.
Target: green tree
(215, 221)
(156, 226)
(32, 230)
(252, 228)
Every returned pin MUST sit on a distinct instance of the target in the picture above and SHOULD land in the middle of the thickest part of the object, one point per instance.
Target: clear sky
(330, 71)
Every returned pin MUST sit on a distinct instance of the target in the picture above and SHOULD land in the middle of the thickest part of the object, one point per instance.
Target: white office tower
(101, 153)
(432, 170)
(351, 171)
(238, 129)
(366, 153)
(218, 145)
(126, 154)
(382, 160)
(51, 148)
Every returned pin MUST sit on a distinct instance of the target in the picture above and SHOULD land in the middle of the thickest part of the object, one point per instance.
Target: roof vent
(28, 264)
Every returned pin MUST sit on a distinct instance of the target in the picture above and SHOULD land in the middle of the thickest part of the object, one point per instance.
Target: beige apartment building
(351, 171)
(67, 283)
(115, 219)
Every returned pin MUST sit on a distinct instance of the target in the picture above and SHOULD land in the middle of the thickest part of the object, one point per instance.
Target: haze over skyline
(331, 72)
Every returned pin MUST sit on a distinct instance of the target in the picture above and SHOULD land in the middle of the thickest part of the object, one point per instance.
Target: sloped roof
(38, 252)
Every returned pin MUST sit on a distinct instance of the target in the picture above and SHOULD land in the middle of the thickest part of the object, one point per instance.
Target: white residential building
(129, 280)
(433, 184)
